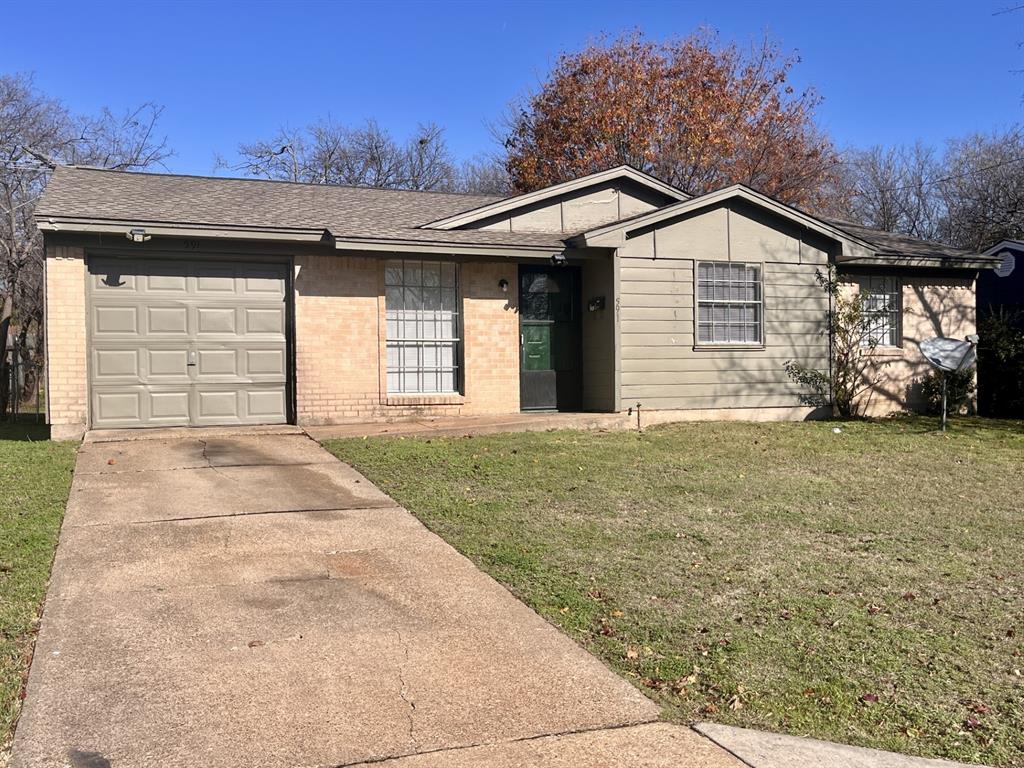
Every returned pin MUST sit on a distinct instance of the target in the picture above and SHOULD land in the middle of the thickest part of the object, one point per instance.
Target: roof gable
(858, 244)
(531, 201)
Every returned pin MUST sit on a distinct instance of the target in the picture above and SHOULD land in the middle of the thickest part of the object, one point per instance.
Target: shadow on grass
(28, 431)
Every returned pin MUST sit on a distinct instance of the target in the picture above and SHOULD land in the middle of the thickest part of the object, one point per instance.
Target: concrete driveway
(251, 601)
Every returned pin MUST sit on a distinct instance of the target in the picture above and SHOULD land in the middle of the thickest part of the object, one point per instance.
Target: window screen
(729, 304)
(421, 302)
(881, 309)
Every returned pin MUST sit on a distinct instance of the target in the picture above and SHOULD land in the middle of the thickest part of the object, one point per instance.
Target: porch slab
(459, 426)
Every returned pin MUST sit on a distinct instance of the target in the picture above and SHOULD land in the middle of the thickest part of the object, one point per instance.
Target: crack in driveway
(403, 691)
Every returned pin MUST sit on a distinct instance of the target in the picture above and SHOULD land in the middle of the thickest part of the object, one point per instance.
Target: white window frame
(713, 302)
(887, 324)
(420, 342)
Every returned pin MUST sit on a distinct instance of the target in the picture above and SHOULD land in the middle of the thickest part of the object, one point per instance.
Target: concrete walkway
(776, 750)
(223, 600)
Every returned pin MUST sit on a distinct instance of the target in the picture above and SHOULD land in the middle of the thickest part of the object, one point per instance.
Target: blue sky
(890, 72)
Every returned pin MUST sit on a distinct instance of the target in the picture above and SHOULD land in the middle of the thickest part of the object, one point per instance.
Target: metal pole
(943, 401)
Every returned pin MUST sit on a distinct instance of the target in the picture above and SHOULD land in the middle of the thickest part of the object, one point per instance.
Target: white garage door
(187, 343)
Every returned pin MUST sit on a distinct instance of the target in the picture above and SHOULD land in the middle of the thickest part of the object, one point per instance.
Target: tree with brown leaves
(690, 111)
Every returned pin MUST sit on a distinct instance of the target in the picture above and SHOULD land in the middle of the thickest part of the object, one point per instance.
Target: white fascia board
(163, 229)
(407, 246)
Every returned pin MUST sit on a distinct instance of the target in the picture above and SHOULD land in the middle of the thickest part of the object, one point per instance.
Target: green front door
(549, 318)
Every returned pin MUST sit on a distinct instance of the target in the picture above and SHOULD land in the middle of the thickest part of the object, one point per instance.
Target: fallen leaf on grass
(868, 699)
(972, 723)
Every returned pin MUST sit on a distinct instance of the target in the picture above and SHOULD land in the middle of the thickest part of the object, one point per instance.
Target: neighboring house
(1001, 292)
(1003, 286)
(180, 300)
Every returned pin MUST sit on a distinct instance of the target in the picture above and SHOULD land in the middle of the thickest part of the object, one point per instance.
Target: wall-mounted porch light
(503, 284)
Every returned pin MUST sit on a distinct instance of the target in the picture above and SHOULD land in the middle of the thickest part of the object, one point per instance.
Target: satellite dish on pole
(950, 356)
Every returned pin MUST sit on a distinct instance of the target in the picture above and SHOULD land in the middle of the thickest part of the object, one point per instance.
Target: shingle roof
(346, 212)
(894, 244)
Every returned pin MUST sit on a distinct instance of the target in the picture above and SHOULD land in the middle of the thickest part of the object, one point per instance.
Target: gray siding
(575, 211)
(661, 367)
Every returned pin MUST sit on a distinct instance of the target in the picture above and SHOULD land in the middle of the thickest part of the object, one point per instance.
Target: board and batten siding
(575, 211)
(661, 365)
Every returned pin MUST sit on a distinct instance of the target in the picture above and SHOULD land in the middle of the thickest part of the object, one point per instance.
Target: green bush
(1001, 364)
(960, 389)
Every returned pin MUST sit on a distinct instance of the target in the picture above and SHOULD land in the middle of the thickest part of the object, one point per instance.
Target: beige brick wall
(66, 356)
(932, 306)
(340, 343)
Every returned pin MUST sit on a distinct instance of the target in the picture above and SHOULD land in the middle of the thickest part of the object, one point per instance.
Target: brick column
(67, 383)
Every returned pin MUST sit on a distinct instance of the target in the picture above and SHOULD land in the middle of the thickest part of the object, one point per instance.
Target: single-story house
(184, 300)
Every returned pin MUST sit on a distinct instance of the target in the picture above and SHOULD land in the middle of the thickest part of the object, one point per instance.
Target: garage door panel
(117, 407)
(116, 364)
(115, 320)
(163, 321)
(177, 342)
(217, 405)
(169, 407)
(216, 279)
(268, 285)
(212, 320)
(167, 363)
(167, 283)
(218, 362)
(112, 282)
(265, 404)
(265, 362)
(269, 320)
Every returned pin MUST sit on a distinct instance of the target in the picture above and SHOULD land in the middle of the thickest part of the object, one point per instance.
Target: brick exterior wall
(932, 306)
(341, 344)
(66, 355)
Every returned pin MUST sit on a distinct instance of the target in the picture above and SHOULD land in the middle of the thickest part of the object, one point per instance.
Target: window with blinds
(730, 308)
(881, 309)
(421, 303)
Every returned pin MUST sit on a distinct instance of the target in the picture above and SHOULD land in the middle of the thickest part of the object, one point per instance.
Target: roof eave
(440, 247)
(81, 225)
(879, 259)
(1002, 245)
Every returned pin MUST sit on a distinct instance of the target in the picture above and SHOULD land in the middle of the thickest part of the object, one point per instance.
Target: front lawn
(35, 475)
(865, 586)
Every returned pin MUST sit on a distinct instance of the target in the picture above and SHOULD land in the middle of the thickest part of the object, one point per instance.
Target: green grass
(865, 587)
(35, 475)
